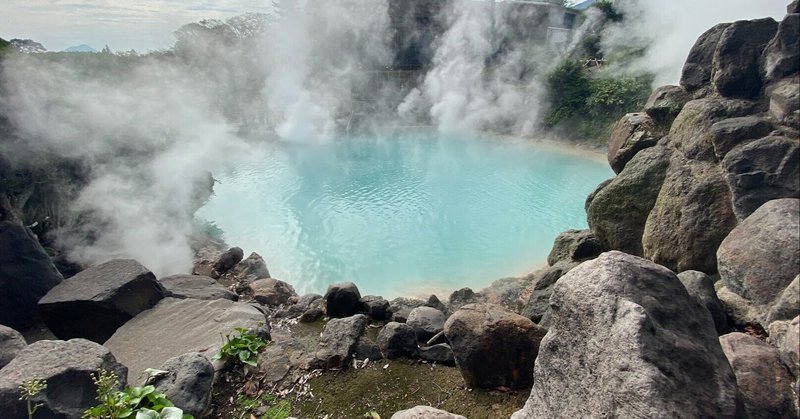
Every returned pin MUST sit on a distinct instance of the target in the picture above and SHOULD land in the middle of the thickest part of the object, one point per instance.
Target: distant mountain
(80, 48)
(27, 46)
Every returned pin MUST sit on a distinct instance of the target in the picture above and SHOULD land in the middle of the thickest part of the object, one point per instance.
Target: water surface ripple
(402, 216)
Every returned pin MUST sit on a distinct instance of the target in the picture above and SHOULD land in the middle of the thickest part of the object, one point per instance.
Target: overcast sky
(148, 24)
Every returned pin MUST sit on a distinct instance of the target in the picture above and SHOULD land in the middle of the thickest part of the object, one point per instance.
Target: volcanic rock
(11, 343)
(187, 383)
(272, 292)
(396, 340)
(736, 65)
(342, 300)
(620, 326)
(574, 246)
(197, 287)
(426, 322)
(26, 275)
(632, 133)
(337, 341)
(425, 412)
(493, 347)
(67, 367)
(94, 303)
(665, 103)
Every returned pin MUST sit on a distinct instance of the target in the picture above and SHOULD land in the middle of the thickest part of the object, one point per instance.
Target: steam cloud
(152, 131)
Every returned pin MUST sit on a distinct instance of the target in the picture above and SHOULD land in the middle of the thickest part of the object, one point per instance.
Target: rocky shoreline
(682, 299)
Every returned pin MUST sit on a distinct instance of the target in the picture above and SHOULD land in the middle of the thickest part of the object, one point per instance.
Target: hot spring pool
(403, 216)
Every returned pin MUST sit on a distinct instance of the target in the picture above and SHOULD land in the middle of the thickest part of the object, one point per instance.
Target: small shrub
(132, 402)
(30, 388)
(243, 348)
(609, 10)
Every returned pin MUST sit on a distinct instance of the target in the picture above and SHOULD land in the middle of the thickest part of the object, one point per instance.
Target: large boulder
(761, 256)
(618, 212)
(764, 381)
(272, 292)
(342, 300)
(728, 133)
(187, 383)
(762, 170)
(665, 103)
(396, 340)
(26, 275)
(691, 129)
(785, 335)
(337, 340)
(736, 65)
(631, 134)
(196, 286)
(248, 270)
(461, 297)
(175, 327)
(401, 307)
(782, 56)
(691, 217)
(94, 303)
(67, 367)
(426, 322)
(627, 340)
(701, 288)
(493, 347)
(440, 353)
(11, 343)
(696, 72)
(574, 246)
(425, 412)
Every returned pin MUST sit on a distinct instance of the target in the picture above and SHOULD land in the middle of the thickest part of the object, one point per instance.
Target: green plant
(243, 348)
(609, 10)
(30, 388)
(132, 402)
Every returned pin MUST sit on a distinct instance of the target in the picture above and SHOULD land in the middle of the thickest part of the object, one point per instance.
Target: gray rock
(762, 170)
(175, 327)
(618, 212)
(67, 367)
(188, 382)
(401, 307)
(228, 260)
(337, 341)
(303, 303)
(694, 194)
(342, 300)
(460, 298)
(765, 383)
(425, 412)
(283, 363)
(493, 347)
(396, 340)
(761, 256)
(574, 246)
(665, 103)
(435, 302)
(785, 335)
(197, 287)
(26, 275)
(426, 322)
(631, 134)
(793, 7)
(440, 353)
(690, 130)
(312, 314)
(728, 133)
(701, 288)
(377, 308)
(741, 311)
(366, 349)
(696, 72)
(254, 266)
(272, 292)
(782, 56)
(11, 343)
(737, 69)
(787, 305)
(539, 301)
(784, 101)
(94, 303)
(627, 340)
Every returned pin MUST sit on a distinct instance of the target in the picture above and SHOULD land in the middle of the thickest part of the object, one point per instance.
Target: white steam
(670, 28)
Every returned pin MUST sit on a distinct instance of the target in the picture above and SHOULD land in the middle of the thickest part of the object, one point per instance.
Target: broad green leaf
(171, 413)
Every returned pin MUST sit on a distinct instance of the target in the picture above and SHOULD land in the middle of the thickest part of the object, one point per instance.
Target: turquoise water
(403, 216)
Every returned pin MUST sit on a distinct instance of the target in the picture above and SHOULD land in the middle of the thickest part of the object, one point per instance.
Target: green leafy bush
(132, 402)
(568, 88)
(609, 10)
(243, 348)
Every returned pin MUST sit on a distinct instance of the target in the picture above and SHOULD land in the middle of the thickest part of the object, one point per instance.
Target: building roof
(584, 5)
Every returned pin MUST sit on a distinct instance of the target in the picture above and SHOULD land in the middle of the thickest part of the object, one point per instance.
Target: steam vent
(402, 209)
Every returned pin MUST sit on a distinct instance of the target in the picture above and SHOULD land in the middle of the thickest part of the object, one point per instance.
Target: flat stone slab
(174, 327)
(196, 286)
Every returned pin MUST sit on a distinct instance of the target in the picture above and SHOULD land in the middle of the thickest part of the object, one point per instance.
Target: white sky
(148, 24)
